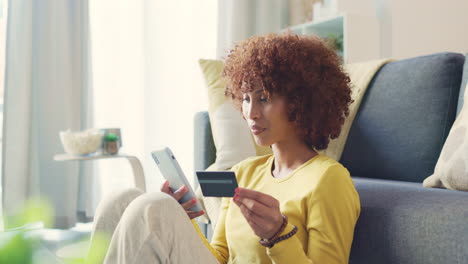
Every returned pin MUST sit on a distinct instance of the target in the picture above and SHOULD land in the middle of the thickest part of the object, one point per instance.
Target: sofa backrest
(404, 118)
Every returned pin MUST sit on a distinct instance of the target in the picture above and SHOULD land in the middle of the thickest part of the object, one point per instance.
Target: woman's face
(267, 118)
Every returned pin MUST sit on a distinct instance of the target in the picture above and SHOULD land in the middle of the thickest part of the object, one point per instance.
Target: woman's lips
(257, 131)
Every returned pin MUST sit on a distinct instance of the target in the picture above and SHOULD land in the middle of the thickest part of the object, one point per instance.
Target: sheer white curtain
(3, 20)
(147, 80)
(240, 19)
(46, 91)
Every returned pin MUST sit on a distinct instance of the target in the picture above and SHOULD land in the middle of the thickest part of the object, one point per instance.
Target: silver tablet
(171, 171)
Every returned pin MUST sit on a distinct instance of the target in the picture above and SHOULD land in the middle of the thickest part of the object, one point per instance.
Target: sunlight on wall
(118, 81)
(147, 80)
(178, 33)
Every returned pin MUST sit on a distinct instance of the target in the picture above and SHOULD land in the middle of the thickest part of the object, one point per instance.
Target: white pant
(146, 228)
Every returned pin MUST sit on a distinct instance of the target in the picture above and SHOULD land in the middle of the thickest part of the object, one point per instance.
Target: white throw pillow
(451, 171)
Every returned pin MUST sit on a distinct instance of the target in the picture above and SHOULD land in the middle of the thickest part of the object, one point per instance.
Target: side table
(137, 169)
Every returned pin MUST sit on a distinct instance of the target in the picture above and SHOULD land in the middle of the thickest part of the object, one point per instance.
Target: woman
(294, 206)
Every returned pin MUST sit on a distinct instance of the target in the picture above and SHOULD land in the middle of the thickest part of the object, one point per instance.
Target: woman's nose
(253, 111)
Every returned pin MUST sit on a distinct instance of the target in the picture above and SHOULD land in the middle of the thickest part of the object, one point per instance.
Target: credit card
(217, 183)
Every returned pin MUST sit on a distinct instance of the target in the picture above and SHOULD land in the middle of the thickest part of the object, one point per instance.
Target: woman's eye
(263, 99)
(245, 99)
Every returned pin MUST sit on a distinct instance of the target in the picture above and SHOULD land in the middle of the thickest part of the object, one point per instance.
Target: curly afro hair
(304, 71)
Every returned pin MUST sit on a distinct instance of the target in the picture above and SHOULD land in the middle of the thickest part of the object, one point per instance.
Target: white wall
(419, 27)
(409, 28)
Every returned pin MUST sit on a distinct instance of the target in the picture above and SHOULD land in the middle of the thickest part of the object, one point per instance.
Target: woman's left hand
(261, 211)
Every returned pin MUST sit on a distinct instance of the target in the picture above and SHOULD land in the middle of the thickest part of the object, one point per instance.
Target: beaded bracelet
(273, 239)
(280, 230)
(281, 238)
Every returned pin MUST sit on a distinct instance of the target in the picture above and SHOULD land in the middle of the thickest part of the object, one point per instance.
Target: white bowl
(82, 142)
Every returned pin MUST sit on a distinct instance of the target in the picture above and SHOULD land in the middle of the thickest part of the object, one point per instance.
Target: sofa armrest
(204, 148)
(204, 153)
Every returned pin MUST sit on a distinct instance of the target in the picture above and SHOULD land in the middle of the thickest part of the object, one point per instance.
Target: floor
(54, 239)
(63, 246)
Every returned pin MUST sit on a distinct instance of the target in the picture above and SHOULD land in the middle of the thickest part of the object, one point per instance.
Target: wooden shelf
(321, 28)
(361, 37)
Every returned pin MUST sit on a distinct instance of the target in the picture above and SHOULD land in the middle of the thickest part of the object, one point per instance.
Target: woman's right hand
(178, 194)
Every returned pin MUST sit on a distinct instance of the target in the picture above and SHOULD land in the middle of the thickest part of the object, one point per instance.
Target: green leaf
(111, 137)
(15, 248)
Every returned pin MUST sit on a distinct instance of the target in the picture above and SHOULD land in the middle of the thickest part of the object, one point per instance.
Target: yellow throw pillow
(451, 171)
(231, 135)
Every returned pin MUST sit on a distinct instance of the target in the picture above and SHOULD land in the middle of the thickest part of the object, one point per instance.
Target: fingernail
(194, 200)
(235, 197)
(237, 190)
(203, 211)
(166, 183)
(185, 188)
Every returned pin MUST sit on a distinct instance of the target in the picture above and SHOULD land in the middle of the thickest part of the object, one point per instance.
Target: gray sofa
(392, 147)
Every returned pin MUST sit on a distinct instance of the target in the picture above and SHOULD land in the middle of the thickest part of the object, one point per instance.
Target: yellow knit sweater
(318, 197)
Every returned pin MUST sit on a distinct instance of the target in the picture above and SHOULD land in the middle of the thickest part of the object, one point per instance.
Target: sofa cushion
(403, 222)
(405, 118)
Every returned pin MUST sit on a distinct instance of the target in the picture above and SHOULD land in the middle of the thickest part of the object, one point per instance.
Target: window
(146, 78)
